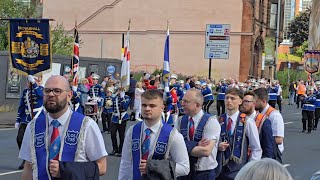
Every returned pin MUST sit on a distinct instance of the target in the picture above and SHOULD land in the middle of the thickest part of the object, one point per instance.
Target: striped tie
(229, 126)
(55, 142)
(146, 144)
(191, 129)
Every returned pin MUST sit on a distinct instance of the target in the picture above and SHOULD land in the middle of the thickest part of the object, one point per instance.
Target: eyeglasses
(56, 91)
(246, 101)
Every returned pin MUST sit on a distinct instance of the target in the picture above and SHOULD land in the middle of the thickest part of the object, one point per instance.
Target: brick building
(102, 22)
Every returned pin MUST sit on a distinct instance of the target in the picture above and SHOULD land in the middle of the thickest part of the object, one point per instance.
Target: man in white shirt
(201, 132)
(238, 133)
(74, 138)
(279, 96)
(275, 117)
(152, 139)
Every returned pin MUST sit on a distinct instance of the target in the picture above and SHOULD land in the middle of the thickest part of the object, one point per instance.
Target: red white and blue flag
(75, 58)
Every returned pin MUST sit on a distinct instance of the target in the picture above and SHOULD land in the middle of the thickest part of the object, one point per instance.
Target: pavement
(300, 157)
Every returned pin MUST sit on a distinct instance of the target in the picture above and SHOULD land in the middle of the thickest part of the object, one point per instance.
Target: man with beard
(76, 147)
(263, 124)
(275, 118)
(152, 142)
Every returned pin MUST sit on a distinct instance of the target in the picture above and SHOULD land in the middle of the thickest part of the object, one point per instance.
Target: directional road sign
(217, 41)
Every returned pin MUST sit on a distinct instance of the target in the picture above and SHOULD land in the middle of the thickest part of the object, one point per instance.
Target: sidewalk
(7, 119)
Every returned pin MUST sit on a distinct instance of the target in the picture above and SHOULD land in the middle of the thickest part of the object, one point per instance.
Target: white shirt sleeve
(254, 142)
(94, 143)
(125, 169)
(25, 151)
(277, 124)
(179, 154)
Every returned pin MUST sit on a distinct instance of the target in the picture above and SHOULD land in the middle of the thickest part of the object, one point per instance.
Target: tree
(299, 28)
(62, 43)
(300, 50)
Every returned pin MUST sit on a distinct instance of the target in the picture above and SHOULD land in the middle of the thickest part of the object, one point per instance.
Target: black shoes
(21, 165)
(303, 131)
(114, 153)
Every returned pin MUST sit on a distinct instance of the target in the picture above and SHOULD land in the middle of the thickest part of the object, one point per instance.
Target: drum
(90, 108)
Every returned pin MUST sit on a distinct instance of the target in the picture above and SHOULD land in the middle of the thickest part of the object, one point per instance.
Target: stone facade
(102, 22)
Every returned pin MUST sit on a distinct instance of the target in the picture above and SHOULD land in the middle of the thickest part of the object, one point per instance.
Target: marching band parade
(155, 125)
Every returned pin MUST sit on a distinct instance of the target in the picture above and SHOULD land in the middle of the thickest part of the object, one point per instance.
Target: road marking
(6, 129)
(288, 123)
(297, 113)
(286, 165)
(11, 172)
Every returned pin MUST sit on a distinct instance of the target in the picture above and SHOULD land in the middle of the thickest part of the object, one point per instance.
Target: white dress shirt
(93, 143)
(277, 124)
(177, 153)
(211, 131)
(251, 133)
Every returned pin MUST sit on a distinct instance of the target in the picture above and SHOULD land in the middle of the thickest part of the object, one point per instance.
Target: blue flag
(29, 46)
(166, 64)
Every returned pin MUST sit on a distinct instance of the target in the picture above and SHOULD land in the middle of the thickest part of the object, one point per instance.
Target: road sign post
(217, 42)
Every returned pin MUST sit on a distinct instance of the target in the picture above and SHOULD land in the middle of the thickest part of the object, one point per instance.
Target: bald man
(62, 143)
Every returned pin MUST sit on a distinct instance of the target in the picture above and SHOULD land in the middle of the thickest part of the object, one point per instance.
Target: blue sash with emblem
(70, 142)
(199, 131)
(235, 140)
(159, 150)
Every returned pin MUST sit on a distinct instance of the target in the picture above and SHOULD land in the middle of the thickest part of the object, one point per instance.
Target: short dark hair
(187, 79)
(261, 93)
(152, 94)
(249, 93)
(152, 82)
(235, 91)
(131, 75)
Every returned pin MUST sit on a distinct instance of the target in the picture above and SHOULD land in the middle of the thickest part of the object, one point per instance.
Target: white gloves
(88, 98)
(122, 94)
(74, 88)
(31, 79)
(98, 99)
(16, 125)
(166, 89)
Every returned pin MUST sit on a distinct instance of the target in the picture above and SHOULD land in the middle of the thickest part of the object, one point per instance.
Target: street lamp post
(277, 39)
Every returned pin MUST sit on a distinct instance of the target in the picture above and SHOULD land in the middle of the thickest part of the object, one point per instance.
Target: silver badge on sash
(39, 140)
(71, 137)
(135, 144)
(161, 147)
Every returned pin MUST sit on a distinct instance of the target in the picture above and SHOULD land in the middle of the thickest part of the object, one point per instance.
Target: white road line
(6, 129)
(286, 165)
(288, 123)
(11, 172)
(297, 113)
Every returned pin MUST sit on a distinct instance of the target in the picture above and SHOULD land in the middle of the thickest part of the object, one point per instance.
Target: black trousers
(206, 105)
(317, 116)
(279, 100)
(272, 103)
(307, 116)
(220, 106)
(106, 119)
(121, 128)
(131, 95)
(20, 135)
(299, 100)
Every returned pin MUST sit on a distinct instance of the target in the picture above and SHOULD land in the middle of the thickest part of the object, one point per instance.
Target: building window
(273, 16)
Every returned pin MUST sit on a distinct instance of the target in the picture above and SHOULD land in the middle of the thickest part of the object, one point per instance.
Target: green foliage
(157, 71)
(13, 9)
(299, 28)
(62, 43)
(290, 57)
(294, 75)
(269, 46)
(300, 50)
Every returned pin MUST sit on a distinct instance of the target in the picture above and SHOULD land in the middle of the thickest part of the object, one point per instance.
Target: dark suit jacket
(79, 170)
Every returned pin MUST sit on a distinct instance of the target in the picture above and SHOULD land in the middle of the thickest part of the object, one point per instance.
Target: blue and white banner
(29, 45)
